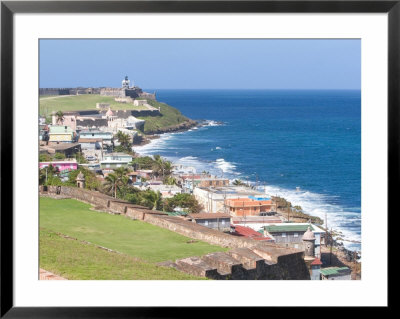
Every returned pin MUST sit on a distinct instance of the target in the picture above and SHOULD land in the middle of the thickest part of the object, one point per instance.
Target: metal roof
(334, 271)
(287, 228)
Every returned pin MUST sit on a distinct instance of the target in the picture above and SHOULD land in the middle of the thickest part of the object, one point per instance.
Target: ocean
(303, 145)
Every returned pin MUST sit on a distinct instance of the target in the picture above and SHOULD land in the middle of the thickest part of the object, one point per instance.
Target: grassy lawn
(132, 237)
(170, 116)
(67, 103)
(72, 259)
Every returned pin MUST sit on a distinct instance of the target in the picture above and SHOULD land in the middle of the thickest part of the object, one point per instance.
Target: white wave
(217, 148)
(339, 218)
(226, 167)
(154, 145)
(212, 123)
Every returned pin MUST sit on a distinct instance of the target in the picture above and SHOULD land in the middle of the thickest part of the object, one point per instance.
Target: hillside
(171, 120)
(139, 244)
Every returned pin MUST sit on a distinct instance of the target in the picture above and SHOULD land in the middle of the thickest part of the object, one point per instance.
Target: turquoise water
(279, 140)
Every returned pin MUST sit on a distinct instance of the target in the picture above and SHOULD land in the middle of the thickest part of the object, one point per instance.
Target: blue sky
(202, 64)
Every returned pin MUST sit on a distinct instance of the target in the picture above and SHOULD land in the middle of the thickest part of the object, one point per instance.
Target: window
(283, 234)
(206, 222)
(223, 222)
(296, 245)
(296, 235)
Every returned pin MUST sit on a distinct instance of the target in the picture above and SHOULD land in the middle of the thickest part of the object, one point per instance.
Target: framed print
(187, 151)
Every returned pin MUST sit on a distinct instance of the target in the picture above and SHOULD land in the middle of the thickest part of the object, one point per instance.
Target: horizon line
(214, 89)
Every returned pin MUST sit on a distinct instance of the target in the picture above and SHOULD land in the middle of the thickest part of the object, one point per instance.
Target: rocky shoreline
(175, 128)
(151, 135)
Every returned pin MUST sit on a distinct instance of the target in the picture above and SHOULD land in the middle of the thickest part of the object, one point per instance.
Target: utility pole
(244, 212)
(330, 253)
(326, 227)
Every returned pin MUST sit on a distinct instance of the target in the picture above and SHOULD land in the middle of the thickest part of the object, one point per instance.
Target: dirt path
(47, 275)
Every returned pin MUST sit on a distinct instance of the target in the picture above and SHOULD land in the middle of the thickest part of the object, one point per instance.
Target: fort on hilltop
(126, 90)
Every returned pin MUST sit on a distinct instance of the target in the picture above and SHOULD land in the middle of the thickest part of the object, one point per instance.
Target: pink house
(61, 165)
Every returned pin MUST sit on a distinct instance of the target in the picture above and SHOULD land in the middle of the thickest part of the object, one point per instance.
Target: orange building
(247, 206)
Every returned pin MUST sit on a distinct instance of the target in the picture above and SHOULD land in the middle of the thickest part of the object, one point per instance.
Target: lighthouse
(126, 83)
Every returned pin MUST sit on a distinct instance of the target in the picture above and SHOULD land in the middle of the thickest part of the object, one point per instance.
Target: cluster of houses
(235, 209)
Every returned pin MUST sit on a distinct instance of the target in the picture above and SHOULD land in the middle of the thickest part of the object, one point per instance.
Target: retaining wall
(284, 263)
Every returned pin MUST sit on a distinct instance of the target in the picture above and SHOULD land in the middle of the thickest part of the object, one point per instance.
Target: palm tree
(60, 117)
(170, 181)
(116, 181)
(153, 199)
(111, 184)
(124, 139)
(238, 182)
(161, 166)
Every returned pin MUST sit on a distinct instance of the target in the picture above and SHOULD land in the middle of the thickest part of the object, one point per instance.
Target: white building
(213, 198)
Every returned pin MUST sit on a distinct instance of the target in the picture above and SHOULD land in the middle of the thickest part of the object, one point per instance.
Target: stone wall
(118, 92)
(281, 263)
(90, 122)
(54, 91)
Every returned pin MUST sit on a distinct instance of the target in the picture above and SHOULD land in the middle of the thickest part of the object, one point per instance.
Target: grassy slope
(170, 117)
(49, 104)
(72, 259)
(134, 238)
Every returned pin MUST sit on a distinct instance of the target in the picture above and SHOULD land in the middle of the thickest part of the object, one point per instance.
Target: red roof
(316, 262)
(249, 232)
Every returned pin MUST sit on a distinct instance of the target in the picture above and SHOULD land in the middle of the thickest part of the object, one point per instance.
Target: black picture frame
(9, 8)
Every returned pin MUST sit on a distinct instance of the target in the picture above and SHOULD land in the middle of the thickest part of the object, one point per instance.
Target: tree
(60, 117)
(44, 158)
(59, 156)
(183, 200)
(48, 176)
(125, 143)
(116, 181)
(80, 158)
(111, 184)
(170, 181)
(238, 182)
(161, 167)
(151, 199)
(145, 162)
(124, 139)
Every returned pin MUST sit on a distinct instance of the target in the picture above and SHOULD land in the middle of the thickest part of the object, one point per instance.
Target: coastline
(152, 135)
(295, 216)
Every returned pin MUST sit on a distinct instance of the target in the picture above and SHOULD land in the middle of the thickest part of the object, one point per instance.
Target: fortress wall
(150, 96)
(118, 92)
(54, 91)
(283, 263)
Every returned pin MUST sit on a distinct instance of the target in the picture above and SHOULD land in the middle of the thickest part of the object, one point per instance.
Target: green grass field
(75, 260)
(133, 238)
(82, 102)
